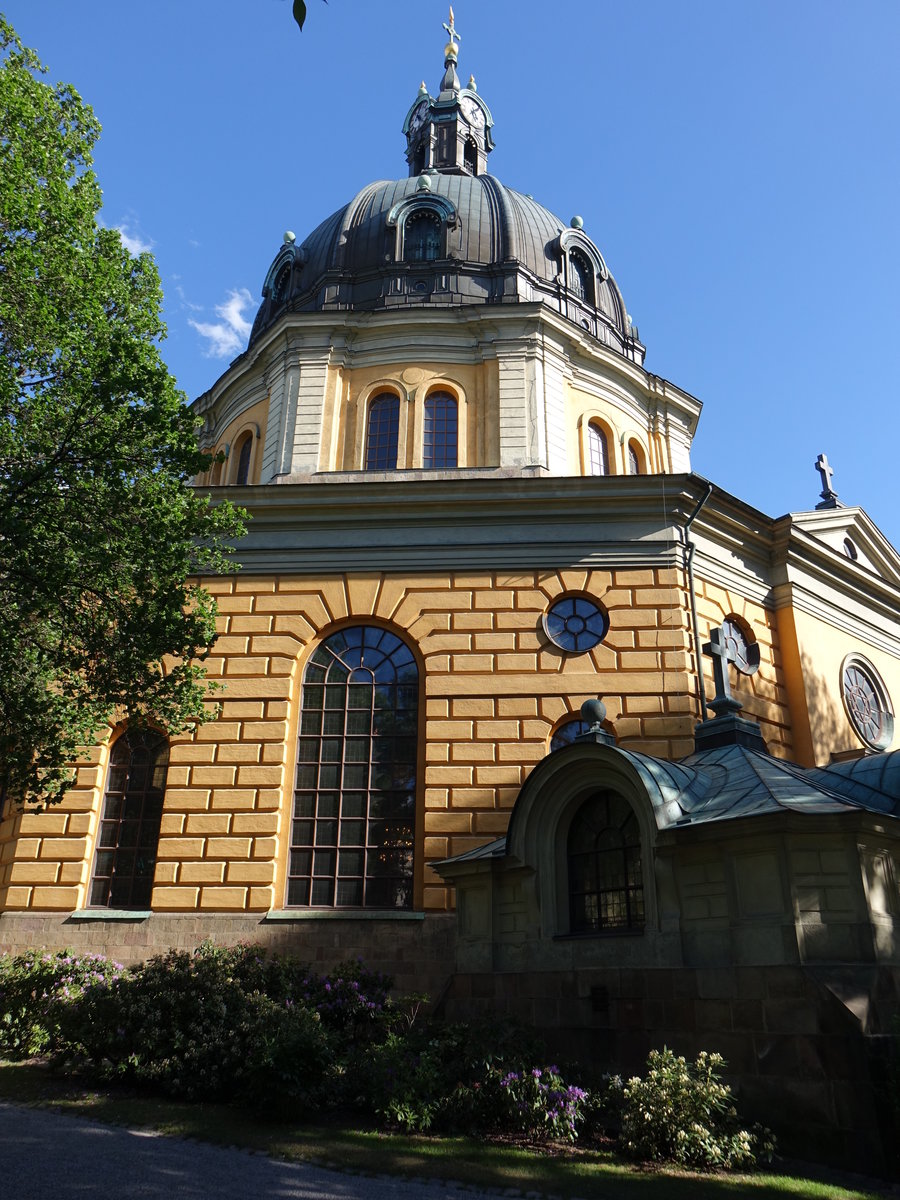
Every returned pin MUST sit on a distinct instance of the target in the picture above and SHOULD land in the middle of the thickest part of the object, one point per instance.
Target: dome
(483, 243)
(449, 235)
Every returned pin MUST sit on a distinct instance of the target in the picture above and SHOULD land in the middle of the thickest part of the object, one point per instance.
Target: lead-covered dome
(448, 235)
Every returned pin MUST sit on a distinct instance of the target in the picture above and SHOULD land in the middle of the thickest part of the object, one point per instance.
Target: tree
(99, 526)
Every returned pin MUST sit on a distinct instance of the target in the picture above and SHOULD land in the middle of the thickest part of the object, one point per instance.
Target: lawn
(590, 1174)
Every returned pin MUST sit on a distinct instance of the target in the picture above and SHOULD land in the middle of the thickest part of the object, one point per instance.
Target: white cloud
(132, 241)
(229, 334)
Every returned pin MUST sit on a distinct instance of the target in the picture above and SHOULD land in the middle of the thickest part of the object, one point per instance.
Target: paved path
(48, 1156)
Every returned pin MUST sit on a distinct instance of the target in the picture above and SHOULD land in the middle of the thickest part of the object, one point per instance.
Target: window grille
(353, 827)
(422, 236)
(383, 433)
(606, 888)
(441, 431)
(128, 838)
(598, 450)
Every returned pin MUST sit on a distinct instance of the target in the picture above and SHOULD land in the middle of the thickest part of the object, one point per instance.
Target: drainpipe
(689, 567)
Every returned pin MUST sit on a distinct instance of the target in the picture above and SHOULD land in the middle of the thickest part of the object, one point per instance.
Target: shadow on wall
(829, 728)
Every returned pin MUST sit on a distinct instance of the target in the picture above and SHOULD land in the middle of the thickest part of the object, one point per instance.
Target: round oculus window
(742, 650)
(867, 702)
(575, 624)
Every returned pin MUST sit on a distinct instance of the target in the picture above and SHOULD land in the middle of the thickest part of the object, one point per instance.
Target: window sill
(109, 914)
(343, 914)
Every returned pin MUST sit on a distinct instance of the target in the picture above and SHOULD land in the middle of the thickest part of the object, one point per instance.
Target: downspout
(689, 568)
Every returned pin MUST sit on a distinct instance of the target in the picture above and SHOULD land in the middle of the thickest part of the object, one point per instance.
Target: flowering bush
(35, 989)
(539, 1104)
(682, 1112)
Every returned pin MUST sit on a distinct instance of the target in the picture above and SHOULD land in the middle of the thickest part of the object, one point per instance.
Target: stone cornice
(491, 520)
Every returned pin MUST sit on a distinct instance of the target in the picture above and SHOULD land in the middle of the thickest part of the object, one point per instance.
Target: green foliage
(99, 528)
(682, 1112)
(186, 1024)
(35, 990)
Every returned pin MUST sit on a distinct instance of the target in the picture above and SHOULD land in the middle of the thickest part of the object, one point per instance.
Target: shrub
(35, 990)
(186, 1024)
(538, 1104)
(682, 1112)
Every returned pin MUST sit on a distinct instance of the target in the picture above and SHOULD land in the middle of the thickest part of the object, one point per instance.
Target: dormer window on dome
(422, 236)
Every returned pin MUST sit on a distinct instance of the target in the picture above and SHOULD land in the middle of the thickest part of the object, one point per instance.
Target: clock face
(472, 112)
(418, 118)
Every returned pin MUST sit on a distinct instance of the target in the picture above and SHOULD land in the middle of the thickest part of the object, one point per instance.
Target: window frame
(312, 780)
(159, 751)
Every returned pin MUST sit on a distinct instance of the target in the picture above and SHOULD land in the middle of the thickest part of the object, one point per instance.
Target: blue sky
(736, 161)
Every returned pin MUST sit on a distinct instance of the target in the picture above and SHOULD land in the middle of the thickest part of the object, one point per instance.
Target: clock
(420, 113)
(471, 110)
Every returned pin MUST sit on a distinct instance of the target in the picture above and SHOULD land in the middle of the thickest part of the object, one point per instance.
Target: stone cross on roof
(828, 494)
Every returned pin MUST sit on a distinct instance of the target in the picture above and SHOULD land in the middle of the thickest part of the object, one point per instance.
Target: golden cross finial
(451, 28)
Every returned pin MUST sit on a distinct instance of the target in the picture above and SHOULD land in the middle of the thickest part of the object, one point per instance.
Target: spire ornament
(451, 29)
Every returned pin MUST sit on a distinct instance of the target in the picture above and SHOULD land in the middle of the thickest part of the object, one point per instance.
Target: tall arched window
(581, 277)
(470, 156)
(598, 450)
(606, 883)
(243, 467)
(382, 433)
(441, 431)
(128, 838)
(354, 818)
(635, 459)
(422, 236)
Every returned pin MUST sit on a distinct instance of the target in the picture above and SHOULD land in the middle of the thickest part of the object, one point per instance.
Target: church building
(515, 705)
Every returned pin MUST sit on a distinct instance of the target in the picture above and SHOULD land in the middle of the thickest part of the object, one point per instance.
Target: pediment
(836, 527)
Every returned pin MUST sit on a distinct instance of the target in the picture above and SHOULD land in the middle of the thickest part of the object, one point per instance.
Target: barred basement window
(354, 817)
(441, 431)
(606, 886)
(383, 433)
(128, 838)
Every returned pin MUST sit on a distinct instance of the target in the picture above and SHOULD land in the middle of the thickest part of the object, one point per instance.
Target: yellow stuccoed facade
(493, 690)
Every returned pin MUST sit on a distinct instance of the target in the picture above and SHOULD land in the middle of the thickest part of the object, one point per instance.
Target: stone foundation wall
(417, 953)
(800, 1060)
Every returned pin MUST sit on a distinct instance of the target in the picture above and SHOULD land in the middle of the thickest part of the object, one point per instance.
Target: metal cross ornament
(451, 28)
(721, 652)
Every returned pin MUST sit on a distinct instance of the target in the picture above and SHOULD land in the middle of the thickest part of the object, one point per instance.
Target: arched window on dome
(636, 460)
(422, 236)
(581, 277)
(245, 450)
(382, 433)
(354, 818)
(606, 883)
(128, 837)
(441, 431)
(281, 286)
(598, 450)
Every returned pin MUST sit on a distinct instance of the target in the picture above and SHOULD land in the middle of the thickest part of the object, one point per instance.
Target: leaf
(299, 12)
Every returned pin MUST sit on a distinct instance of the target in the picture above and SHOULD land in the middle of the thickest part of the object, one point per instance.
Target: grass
(588, 1174)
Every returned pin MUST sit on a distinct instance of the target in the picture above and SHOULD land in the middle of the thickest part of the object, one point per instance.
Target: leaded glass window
(575, 624)
(422, 236)
(353, 827)
(441, 431)
(383, 433)
(606, 885)
(598, 450)
(568, 732)
(128, 837)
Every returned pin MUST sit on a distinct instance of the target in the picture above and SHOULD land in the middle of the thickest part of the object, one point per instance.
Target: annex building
(473, 511)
